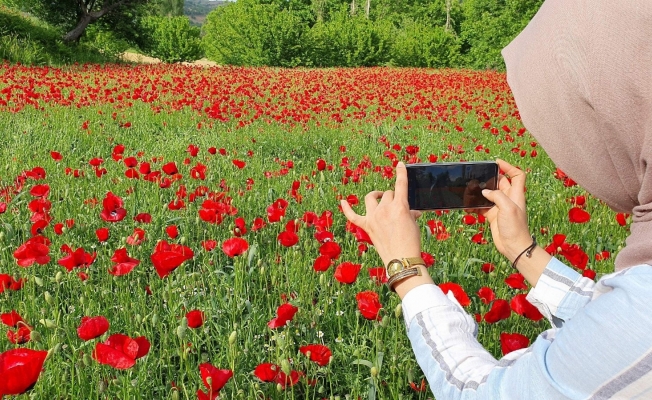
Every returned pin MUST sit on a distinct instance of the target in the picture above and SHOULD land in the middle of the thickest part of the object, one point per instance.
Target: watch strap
(406, 273)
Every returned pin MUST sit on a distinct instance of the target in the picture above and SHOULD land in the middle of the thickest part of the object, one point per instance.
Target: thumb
(499, 198)
(349, 213)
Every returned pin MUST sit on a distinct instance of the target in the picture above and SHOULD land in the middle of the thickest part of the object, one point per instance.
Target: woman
(581, 74)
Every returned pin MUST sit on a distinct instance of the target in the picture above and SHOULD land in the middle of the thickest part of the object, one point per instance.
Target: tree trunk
(366, 10)
(88, 18)
(75, 34)
(448, 16)
(353, 7)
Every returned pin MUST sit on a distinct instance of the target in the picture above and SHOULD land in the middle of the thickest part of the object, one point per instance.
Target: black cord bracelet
(527, 252)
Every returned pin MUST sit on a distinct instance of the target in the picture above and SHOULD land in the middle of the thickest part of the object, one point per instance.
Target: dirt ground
(143, 59)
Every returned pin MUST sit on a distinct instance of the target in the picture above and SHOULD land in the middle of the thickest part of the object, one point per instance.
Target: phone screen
(443, 186)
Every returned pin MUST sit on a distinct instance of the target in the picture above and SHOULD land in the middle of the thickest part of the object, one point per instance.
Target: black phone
(449, 186)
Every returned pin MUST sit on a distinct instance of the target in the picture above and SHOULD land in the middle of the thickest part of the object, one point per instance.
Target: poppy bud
(82, 300)
(398, 311)
(38, 281)
(374, 371)
(384, 322)
(175, 395)
(35, 336)
(58, 277)
(285, 367)
(48, 323)
(53, 350)
(183, 240)
(86, 359)
(279, 387)
(2, 236)
(154, 319)
(181, 331)
(232, 337)
(48, 298)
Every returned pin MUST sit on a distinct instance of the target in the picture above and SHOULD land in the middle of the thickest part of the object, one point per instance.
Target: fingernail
(485, 192)
(400, 164)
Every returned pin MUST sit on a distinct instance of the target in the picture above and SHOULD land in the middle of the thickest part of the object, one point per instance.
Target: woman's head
(581, 74)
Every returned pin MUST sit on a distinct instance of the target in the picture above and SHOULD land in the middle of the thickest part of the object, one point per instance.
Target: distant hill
(197, 10)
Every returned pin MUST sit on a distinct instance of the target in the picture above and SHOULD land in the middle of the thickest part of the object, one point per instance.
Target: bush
(418, 45)
(350, 41)
(245, 33)
(171, 39)
(105, 41)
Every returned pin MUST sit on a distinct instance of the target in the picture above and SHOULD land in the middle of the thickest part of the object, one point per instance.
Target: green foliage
(245, 33)
(418, 45)
(490, 25)
(350, 41)
(171, 39)
(29, 41)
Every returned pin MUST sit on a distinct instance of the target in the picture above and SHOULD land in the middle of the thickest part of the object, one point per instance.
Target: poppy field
(169, 232)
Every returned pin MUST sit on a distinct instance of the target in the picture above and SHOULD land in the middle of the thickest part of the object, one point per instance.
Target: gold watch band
(406, 273)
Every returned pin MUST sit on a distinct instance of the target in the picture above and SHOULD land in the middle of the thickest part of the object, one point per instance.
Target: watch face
(394, 267)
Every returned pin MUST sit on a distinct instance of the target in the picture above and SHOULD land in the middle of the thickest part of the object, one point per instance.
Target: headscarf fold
(581, 74)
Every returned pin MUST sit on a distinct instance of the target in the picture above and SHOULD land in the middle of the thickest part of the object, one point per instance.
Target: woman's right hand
(508, 219)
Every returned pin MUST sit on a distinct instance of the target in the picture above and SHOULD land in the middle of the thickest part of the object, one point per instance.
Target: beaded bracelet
(527, 252)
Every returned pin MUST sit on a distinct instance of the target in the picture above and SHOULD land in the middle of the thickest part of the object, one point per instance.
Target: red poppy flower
(258, 224)
(143, 218)
(137, 237)
(578, 201)
(170, 168)
(123, 263)
(378, 275)
(458, 292)
(102, 234)
(21, 336)
(322, 263)
(589, 273)
(516, 281)
(318, 353)
(486, 295)
(321, 164)
(521, 306)
(478, 238)
(330, 249)
(12, 319)
(603, 255)
(120, 351)
(324, 236)
(172, 231)
(19, 370)
(92, 327)
(56, 156)
(267, 372)
(39, 226)
(369, 304)
(234, 246)
(112, 208)
(578, 216)
(7, 282)
(288, 239)
(76, 259)
(195, 318)
(512, 341)
(428, 259)
(214, 380)
(621, 218)
(40, 190)
(284, 313)
(3, 207)
(488, 268)
(240, 227)
(167, 257)
(288, 380)
(209, 244)
(469, 219)
(347, 272)
(34, 250)
(499, 310)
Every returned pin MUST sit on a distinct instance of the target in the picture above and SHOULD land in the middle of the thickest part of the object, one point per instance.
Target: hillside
(197, 10)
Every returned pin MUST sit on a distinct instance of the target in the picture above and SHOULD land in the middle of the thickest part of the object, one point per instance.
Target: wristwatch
(397, 270)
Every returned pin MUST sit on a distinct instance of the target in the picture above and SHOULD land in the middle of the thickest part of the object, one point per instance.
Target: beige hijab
(581, 74)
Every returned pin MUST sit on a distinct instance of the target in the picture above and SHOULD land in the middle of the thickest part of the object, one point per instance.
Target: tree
(74, 16)
(171, 8)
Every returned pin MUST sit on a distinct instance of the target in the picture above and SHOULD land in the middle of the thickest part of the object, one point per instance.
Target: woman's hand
(507, 219)
(390, 224)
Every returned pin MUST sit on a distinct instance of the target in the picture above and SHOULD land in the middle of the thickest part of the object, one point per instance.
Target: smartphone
(449, 186)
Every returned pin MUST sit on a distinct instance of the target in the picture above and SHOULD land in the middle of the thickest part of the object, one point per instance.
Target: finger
(350, 214)
(416, 214)
(504, 183)
(388, 196)
(371, 200)
(401, 186)
(500, 199)
(517, 182)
